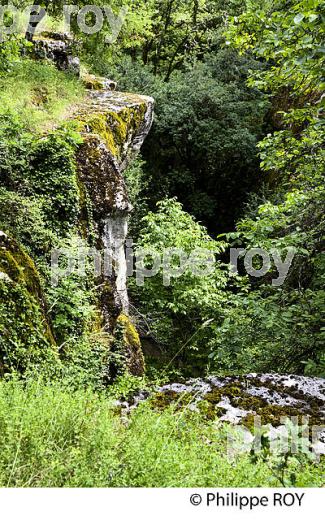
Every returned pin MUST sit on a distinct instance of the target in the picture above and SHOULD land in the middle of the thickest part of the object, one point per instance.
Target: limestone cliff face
(114, 126)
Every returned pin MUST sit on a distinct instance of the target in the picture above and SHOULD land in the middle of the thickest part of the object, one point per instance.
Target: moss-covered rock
(113, 127)
(92, 82)
(26, 339)
(132, 346)
(121, 120)
(269, 398)
(162, 400)
(103, 186)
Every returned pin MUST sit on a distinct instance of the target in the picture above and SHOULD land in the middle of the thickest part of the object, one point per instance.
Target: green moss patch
(161, 400)
(115, 128)
(133, 350)
(25, 336)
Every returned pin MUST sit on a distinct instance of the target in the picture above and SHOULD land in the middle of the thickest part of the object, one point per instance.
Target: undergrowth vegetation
(51, 436)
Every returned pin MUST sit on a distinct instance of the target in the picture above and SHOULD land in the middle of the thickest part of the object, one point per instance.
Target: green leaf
(299, 18)
(313, 17)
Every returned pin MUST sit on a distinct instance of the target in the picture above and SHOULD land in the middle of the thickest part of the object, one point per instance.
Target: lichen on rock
(268, 399)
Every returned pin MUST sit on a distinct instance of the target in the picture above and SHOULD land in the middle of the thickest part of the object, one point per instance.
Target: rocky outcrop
(237, 399)
(58, 48)
(114, 126)
(250, 400)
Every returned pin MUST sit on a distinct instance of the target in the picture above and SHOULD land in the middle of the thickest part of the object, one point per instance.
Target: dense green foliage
(254, 324)
(180, 309)
(202, 147)
(293, 157)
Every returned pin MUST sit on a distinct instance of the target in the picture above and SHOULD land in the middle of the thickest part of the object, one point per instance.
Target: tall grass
(51, 436)
(38, 93)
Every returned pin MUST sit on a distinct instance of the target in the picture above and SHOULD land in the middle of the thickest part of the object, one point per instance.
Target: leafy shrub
(15, 150)
(180, 311)
(270, 328)
(53, 176)
(43, 167)
(23, 218)
(85, 361)
(10, 49)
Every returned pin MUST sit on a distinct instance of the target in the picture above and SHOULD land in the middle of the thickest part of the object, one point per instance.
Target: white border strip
(170, 504)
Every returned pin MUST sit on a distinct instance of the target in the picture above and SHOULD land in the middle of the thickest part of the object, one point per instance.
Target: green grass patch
(39, 94)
